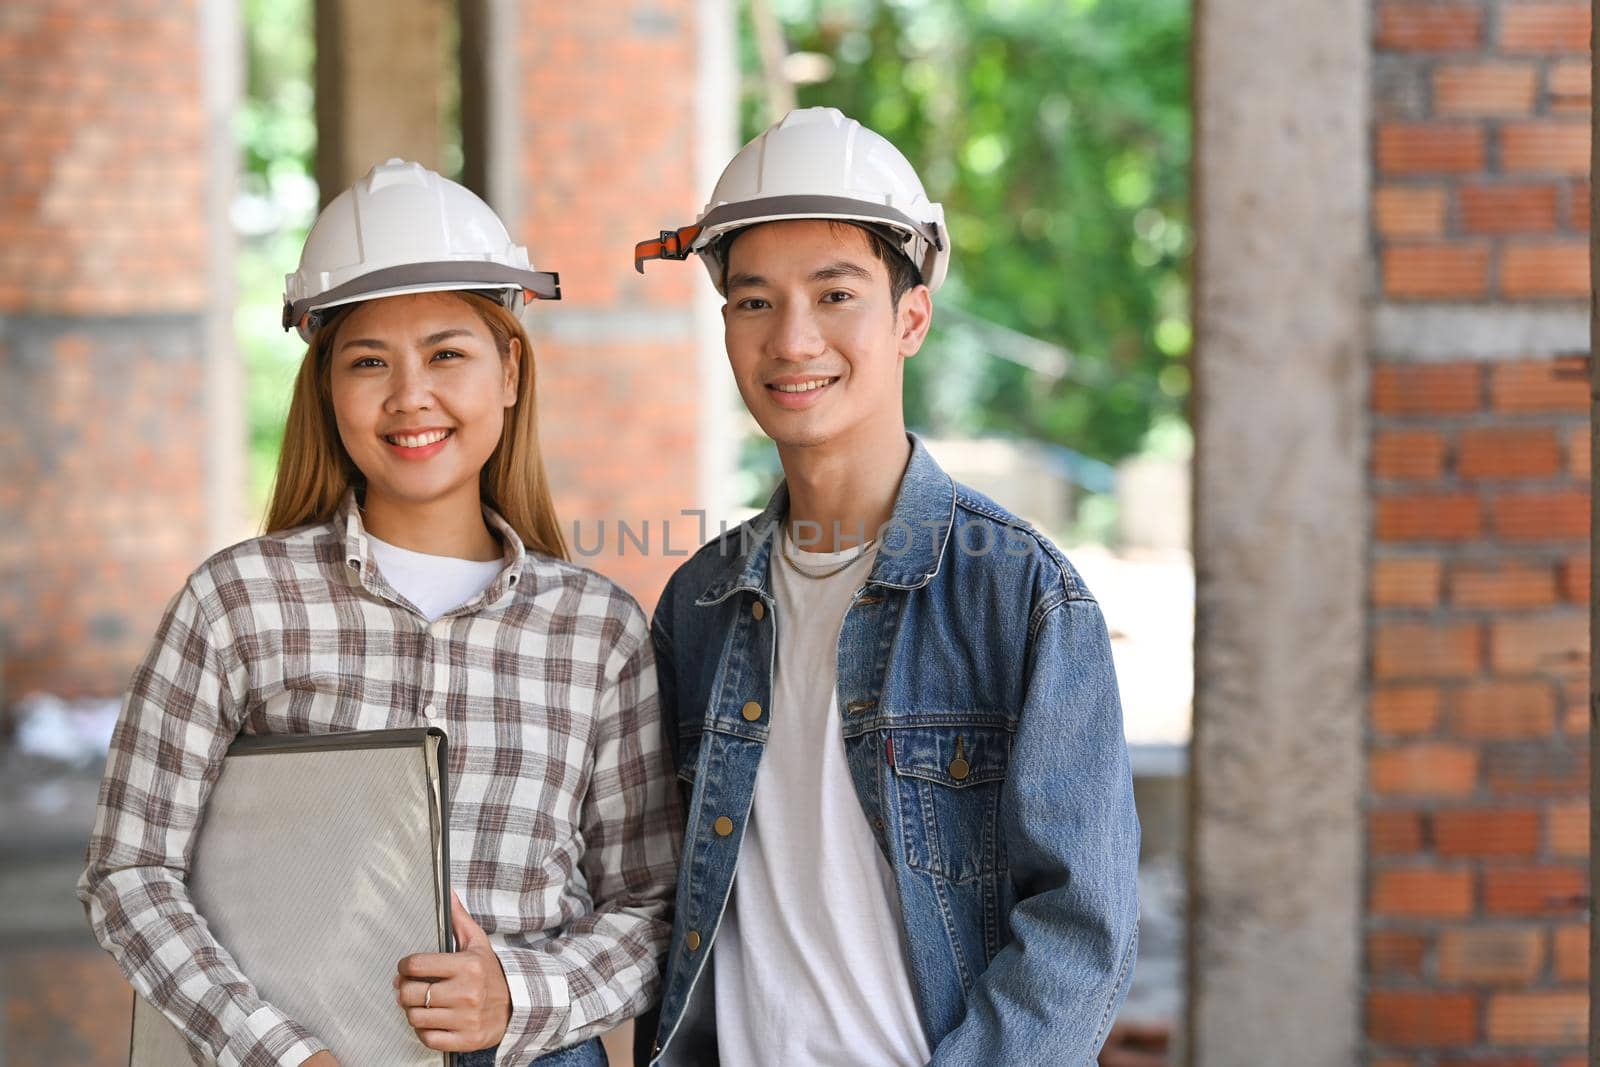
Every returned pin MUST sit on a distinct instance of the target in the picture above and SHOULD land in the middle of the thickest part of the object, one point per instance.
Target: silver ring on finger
(427, 997)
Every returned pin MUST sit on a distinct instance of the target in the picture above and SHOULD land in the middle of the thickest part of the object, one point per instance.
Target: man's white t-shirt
(435, 584)
(810, 964)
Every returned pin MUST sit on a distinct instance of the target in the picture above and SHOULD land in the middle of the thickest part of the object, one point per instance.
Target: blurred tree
(1057, 135)
(273, 208)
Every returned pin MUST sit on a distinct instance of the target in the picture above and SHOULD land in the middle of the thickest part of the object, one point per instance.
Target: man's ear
(913, 320)
(512, 368)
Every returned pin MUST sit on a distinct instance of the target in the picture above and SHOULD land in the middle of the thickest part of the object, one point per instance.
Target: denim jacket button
(751, 711)
(758, 610)
(723, 826)
(692, 940)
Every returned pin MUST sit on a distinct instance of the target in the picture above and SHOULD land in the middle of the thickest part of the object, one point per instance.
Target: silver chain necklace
(783, 550)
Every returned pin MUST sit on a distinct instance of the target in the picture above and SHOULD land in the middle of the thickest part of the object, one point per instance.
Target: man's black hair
(888, 250)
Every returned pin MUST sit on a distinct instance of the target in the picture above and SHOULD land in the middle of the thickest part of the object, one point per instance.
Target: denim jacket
(983, 733)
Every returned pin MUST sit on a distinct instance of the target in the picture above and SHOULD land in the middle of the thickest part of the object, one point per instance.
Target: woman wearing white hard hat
(413, 573)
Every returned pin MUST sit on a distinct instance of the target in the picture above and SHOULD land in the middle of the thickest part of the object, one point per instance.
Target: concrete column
(382, 67)
(1280, 536)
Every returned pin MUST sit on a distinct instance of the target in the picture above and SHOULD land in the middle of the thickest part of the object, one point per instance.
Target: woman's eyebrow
(431, 339)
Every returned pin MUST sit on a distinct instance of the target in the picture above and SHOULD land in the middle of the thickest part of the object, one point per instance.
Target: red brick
(1575, 578)
(1423, 769)
(1405, 710)
(1578, 204)
(1544, 643)
(1580, 449)
(1429, 517)
(1430, 148)
(1508, 453)
(1533, 890)
(1412, 27)
(1544, 1018)
(1505, 711)
(1463, 832)
(1422, 893)
(1553, 516)
(1493, 1061)
(1547, 146)
(1508, 208)
(1481, 89)
(1422, 650)
(1491, 955)
(1540, 385)
(1569, 828)
(1572, 953)
(1408, 454)
(1509, 585)
(1422, 1018)
(1406, 582)
(1436, 271)
(1428, 389)
(1391, 953)
(1546, 269)
(1394, 833)
(1409, 211)
(1568, 86)
(1543, 27)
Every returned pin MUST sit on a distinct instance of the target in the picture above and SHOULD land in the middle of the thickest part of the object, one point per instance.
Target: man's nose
(797, 336)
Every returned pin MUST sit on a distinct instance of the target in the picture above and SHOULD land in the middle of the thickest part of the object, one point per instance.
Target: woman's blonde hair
(314, 470)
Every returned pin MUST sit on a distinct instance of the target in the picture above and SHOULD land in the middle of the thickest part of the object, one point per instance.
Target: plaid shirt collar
(514, 558)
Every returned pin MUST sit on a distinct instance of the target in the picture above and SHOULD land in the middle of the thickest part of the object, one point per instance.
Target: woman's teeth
(417, 440)
(805, 387)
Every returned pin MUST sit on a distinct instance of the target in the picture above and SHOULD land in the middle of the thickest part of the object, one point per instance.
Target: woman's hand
(456, 1001)
(321, 1059)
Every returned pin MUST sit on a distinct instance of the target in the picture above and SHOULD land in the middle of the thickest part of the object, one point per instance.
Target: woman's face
(419, 394)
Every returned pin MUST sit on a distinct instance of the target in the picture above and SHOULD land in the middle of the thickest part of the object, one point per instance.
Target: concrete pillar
(589, 129)
(382, 69)
(120, 438)
(1281, 275)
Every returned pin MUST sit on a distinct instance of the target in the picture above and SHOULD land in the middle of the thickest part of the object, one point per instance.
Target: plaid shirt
(564, 827)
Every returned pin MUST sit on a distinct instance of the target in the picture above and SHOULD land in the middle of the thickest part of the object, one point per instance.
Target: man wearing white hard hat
(911, 832)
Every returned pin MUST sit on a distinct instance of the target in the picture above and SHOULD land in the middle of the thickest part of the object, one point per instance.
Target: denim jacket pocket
(948, 782)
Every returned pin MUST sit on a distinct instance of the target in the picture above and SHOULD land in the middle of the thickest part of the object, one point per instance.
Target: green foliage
(1057, 135)
(274, 206)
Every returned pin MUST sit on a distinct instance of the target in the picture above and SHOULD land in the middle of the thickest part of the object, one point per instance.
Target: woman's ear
(512, 365)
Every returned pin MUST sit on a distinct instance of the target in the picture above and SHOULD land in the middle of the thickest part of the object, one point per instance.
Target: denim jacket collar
(913, 541)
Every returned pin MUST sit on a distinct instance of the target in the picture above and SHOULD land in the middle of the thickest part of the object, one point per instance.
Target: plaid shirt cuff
(540, 1004)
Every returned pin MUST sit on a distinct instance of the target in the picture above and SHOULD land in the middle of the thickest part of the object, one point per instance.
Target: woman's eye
(447, 353)
(365, 362)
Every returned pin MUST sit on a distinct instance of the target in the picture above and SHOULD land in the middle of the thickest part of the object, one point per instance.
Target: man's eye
(836, 296)
(752, 303)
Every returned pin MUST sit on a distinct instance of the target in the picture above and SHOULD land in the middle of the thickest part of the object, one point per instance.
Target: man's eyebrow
(746, 281)
(428, 341)
(842, 268)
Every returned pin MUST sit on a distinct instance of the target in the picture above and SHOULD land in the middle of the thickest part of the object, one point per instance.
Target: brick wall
(613, 164)
(1477, 780)
(103, 286)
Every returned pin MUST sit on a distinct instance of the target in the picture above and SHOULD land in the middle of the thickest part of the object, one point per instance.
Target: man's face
(812, 332)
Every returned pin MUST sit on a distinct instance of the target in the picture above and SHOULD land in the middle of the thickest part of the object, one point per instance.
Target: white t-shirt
(435, 584)
(810, 964)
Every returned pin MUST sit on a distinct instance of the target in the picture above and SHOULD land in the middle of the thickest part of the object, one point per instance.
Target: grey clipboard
(321, 861)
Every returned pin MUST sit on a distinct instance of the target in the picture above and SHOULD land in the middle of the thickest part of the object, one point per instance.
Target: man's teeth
(805, 387)
(417, 440)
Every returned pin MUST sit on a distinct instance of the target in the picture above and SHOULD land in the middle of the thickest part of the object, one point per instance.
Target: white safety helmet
(815, 163)
(405, 229)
